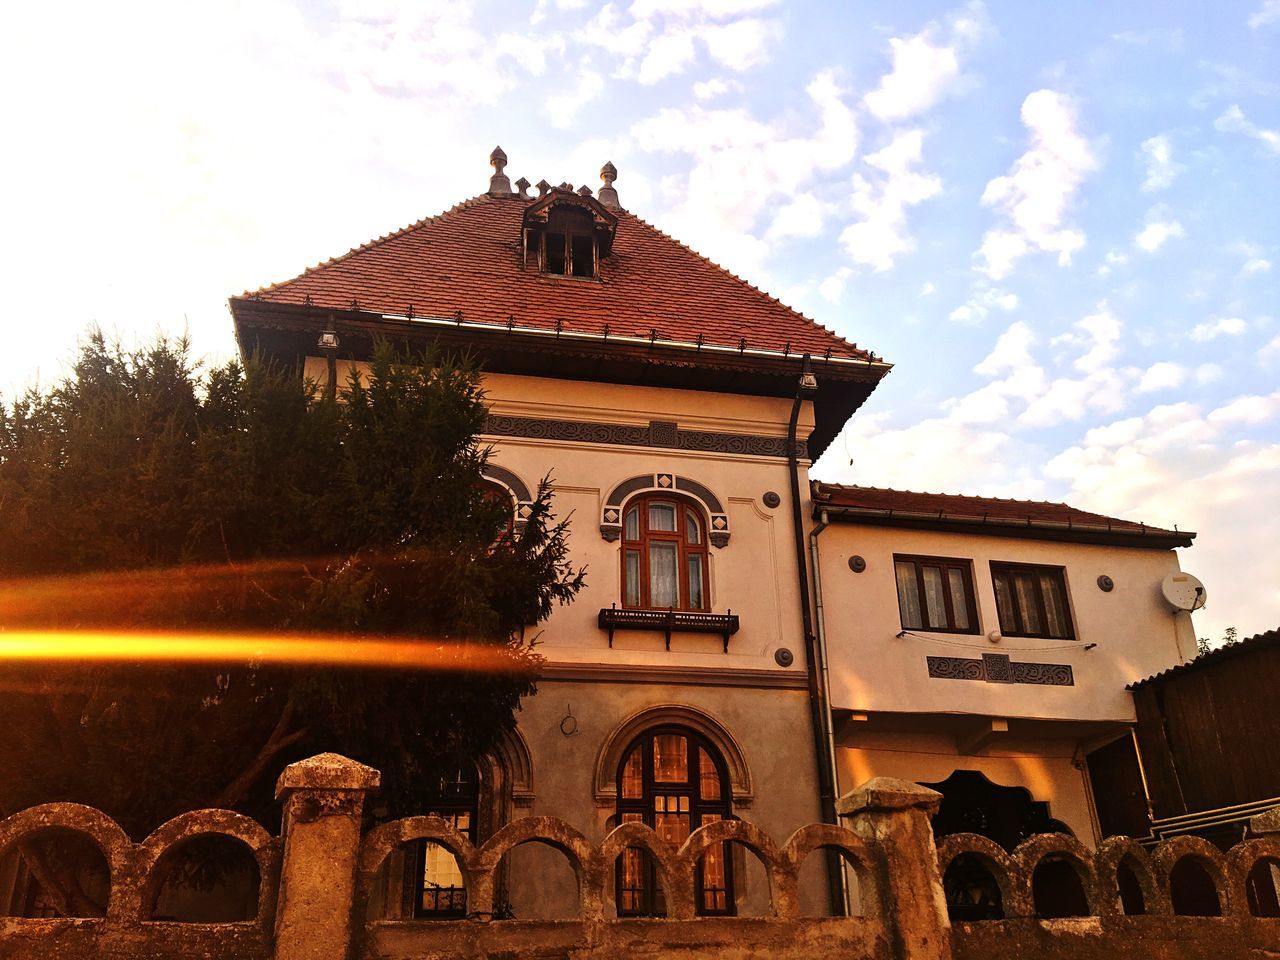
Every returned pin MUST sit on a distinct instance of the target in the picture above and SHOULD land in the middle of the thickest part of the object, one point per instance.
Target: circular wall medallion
(857, 564)
(1106, 584)
(783, 657)
(771, 499)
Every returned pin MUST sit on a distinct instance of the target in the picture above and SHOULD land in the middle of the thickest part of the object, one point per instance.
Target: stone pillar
(323, 800)
(892, 816)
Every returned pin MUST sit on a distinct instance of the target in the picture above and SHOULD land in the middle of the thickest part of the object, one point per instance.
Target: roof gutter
(1048, 529)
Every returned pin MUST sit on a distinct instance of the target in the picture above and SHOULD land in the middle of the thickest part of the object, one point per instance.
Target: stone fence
(315, 882)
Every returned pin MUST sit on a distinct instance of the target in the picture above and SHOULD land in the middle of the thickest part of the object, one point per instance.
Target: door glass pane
(1024, 590)
(715, 885)
(671, 758)
(631, 529)
(908, 595)
(693, 529)
(632, 882)
(631, 597)
(695, 583)
(663, 580)
(1055, 605)
(935, 603)
(633, 776)
(662, 517)
(708, 777)
(672, 827)
(959, 599)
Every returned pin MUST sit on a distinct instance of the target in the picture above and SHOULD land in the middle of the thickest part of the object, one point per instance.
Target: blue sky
(1059, 220)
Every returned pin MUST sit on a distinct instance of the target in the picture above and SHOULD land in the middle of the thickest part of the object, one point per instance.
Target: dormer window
(567, 234)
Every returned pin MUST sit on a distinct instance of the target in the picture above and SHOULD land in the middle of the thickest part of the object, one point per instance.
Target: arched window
(496, 493)
(439, 889)
(664, 554)
(674, 781)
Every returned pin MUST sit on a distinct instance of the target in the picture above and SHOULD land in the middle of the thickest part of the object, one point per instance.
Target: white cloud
(1234, 121)
(1270, 352)
(981, 303)
(832, 288)
(1255, 265)
(1265, 15)
(880, 235)
(1224, 326)
(743, 167)
(801, 217)
(1250, 410)
(668, 54)
(1207, 373)
(715, 87)
(928, 289)
(926, 66)
(1161, 376)
(1157, 233)
(1012, 351)
(1157, 154)
(563, 108)
(1034, 196)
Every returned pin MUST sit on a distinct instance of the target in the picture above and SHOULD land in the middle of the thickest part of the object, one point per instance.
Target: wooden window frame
(684, 550)
(944, 563)
(721, 807)
(1018, 629)
(568, 231)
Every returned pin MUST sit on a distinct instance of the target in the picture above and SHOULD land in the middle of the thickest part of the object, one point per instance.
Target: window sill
(669, 622)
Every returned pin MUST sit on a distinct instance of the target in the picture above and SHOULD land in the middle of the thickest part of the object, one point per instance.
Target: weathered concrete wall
(312, 906)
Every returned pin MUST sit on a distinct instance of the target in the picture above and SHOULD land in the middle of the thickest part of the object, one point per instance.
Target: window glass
(708, 776)
(664, 589)
(662, 517)
(959, 598)
(632, 524)
(631, 596)
(1032, 601)
(715, 885)
(696, 601)
(935, 603)
(633, 775)
(555, 252)
(693, 529)
(670, 758)
(908, 595)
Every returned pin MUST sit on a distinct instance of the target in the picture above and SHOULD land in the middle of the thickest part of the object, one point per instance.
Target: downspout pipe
(819, 714)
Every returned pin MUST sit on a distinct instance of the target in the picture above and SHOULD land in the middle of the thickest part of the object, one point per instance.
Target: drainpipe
(819, 714)
(824, 664)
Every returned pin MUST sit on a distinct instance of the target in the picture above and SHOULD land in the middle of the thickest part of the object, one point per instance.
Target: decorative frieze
(660, 433)
(999, 668)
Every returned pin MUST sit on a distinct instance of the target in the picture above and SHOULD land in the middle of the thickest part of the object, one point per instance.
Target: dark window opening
(1057, 890)
(936, 594)
(1192, 890)
(674, 781)
(1132, 902)
(971, 890)
(1032, 601)
(556, 253)
(1261, 888)
(582, 252)
(973, 804)
(438, 885)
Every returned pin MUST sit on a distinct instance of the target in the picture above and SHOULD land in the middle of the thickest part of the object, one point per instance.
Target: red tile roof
(467, 259)
(1007, 514)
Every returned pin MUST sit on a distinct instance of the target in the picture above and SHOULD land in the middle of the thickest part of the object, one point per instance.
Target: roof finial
(499, 183)
(543, 188)
(523, 186)
(608, 195)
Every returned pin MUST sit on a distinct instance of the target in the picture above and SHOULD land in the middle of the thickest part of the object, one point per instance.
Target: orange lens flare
(310, 649)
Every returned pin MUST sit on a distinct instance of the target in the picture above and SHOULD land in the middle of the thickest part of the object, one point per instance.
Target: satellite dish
(1182, 591)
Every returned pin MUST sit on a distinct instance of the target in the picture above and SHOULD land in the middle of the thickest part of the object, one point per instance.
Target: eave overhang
(287, 333)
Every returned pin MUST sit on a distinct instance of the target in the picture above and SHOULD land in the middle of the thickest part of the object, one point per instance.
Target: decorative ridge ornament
(499, 183)
(608, 195)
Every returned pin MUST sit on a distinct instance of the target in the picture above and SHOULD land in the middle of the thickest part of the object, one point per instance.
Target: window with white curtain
(664, 554)
(935, 594)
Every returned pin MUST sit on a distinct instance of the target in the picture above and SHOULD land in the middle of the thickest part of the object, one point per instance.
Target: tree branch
(279, 739)
(59, 885)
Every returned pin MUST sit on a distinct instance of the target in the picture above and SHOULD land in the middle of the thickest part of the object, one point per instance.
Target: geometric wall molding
(998, 668)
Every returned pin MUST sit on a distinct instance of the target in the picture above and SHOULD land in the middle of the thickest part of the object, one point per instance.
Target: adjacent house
(748, 644)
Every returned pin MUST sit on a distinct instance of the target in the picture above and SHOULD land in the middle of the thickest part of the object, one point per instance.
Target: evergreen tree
(142, 494)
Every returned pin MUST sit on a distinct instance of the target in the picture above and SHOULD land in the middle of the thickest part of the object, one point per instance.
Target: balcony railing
(668, 621)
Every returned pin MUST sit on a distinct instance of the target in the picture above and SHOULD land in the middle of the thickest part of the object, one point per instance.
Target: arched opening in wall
(815, 898)
(637, 888)
(211, 878)
(1132, 901)
(1261, 886)
(541, 884)
(1057, 890)
(675, 781)
(58, 873)
(732, 879)
(971, 890)
(421, 880)
(973, 804)
(1192, 890)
